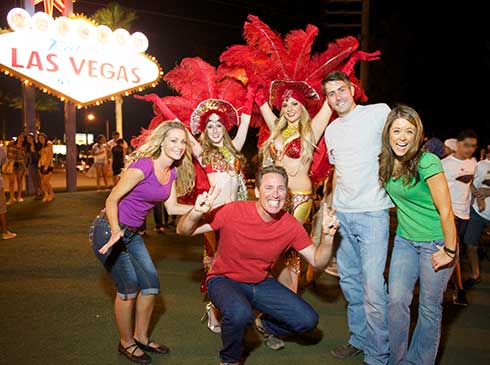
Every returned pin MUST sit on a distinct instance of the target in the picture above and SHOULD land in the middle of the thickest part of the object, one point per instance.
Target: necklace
(225, 161)
(226, 152)
(289, 130)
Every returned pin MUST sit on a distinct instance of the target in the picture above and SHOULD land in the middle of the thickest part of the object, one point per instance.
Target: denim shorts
(128, 261)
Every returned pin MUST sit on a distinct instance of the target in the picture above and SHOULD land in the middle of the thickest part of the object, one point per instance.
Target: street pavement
(56, 299)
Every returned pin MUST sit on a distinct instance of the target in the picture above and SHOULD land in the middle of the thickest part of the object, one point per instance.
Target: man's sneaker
(345, 351)
(471, 283)
(8, 235)
(459, 297)
(270, 341)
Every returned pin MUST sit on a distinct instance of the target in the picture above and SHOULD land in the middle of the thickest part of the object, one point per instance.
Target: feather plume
(232, 90)
(140, 139)
(233, 72)
(258, 35)
(327, 61)
(193, 78)
(181, 107)
(298, 44)
(257, 64)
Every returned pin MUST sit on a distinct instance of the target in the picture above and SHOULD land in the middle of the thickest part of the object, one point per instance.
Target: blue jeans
(361, 260)
(128, 261)
(284, 312)
(410, 261)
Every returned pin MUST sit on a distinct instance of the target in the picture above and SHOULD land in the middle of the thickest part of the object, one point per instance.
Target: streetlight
(90, 118)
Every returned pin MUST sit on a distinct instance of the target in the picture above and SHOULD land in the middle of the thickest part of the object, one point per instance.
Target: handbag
(8, 167)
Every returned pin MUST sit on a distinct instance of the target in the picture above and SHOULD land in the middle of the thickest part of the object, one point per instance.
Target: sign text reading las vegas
(74, 59)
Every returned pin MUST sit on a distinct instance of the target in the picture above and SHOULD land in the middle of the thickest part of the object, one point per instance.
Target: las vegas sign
(75, 59)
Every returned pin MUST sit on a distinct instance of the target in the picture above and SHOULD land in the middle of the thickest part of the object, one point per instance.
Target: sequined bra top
(220, 164)
(291, 150)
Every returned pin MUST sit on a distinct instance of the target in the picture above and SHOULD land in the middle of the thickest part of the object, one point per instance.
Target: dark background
(434, 59)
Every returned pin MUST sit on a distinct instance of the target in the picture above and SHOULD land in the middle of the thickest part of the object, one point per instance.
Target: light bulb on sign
(121, 37)
(19, 19)
(62, 26)
(104, 34)
(139, 42)
(84, 29)
(42, 22)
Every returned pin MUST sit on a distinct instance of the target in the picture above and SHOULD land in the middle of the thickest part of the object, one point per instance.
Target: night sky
(436, 60)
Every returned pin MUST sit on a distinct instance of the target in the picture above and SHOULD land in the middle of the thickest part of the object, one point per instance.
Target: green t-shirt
(418, 218)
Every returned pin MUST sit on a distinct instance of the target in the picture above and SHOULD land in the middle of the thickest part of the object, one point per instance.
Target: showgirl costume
(287, 68)
(205, 92)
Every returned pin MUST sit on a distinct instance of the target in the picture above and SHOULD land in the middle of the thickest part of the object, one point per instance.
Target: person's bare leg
(3, 222)
(20, 183)
(98, 171)
(456, 277)
(473, 259)
(144, 309)
(123, 310)
(11, 188)
(45, 188)
(289, 278)
(49, 187)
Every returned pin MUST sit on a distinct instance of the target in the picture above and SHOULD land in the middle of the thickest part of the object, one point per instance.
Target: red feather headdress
(279, 65)
(196, 81)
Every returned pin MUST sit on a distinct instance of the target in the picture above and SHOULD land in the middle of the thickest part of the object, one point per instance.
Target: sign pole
(28, 106)
(70, 130)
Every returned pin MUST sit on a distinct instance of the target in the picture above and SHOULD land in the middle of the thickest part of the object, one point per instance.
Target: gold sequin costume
(299, 205)
(221, 162)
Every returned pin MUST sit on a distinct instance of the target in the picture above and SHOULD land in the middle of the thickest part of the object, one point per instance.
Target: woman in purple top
(159, 170)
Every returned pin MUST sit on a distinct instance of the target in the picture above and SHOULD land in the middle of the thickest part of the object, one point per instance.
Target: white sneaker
(8, 235)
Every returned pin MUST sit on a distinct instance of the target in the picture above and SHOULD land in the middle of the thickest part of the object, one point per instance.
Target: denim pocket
(435, 244)
(99, 234)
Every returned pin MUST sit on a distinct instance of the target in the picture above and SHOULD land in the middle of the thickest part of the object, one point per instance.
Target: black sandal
(161, 349)
(142, 359)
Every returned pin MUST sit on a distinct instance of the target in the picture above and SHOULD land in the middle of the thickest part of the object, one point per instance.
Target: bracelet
(449, 252)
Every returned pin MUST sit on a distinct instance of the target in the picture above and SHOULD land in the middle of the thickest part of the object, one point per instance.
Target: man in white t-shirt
(479, 218)
(112, 142)
(362, 205)
(459, 169)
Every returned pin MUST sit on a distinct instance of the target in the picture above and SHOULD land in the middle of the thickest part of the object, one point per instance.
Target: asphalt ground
(56, 302)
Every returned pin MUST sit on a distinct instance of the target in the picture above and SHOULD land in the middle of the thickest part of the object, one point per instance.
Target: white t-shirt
(482, 172)
(353, 144)
(98, 156)
(460, 192)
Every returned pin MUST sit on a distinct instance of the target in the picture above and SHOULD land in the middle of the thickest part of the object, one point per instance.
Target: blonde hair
(209, 150)
(152, 147)
(410, 161)
(305, 132)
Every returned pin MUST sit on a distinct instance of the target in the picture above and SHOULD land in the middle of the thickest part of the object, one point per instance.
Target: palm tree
(5, 102)
(42, 103)
(115, 16)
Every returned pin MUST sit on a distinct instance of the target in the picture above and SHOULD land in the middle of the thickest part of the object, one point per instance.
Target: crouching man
(252, 236)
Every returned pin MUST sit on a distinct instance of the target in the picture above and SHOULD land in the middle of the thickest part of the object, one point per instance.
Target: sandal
(214, 323)
(142, 359)
(161, 349)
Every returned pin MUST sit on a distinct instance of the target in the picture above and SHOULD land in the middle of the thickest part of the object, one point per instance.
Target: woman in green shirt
(425, 243)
